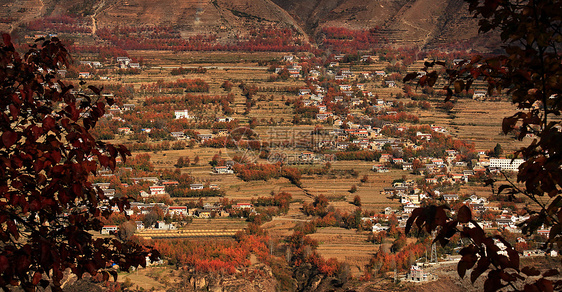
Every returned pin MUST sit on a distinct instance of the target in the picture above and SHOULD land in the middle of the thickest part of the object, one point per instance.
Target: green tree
(47, 154)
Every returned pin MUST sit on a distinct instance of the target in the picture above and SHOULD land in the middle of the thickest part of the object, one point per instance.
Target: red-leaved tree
(47, 204)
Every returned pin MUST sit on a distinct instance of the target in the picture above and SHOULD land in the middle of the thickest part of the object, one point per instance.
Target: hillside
(421, 23)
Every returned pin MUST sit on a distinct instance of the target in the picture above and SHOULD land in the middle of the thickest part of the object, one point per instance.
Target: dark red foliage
(529, 68)
(48, 205)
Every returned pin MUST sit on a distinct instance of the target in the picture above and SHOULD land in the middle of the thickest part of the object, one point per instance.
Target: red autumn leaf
(48, 123)
(550, 273)
(440, 218)
(36, 131)
(104, 160)
(481, 267)
(4, 264)
(22, 264)
(468, 84)
(409, 77)
(96, 90)
(465, 215)
(466, 263)
(77, 189)
(7, 39)
(91, 268)
(65, 123)
(36, 278)
(545, 285)
(530, 271)
(38, 165)
(508, 124)
(459, 86)
(503, 187)
(56, 156)
(423, 80)
(429, 64)
(431, 78)
(123, 151)
(493, 283)
(14, 111)
(416, 213)
(489, 182)
(105, 276)
(112, 150)
(475, 59)
(9, 138)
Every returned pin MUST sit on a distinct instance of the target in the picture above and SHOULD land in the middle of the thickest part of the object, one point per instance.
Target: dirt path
(140, 280)
(93, 16)
(428, 32)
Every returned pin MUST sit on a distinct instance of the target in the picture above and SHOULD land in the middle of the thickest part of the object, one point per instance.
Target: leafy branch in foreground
(530, 71)
(47, 204)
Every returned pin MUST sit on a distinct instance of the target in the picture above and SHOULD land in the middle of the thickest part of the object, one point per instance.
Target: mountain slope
(421, 23)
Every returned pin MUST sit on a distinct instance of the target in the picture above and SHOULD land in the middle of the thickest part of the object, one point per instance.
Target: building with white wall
(506, 164)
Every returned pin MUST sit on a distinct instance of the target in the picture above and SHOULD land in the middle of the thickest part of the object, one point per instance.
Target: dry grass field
(478, 122)
(346, 246)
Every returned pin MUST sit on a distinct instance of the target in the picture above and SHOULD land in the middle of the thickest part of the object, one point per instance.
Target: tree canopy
(47, 204)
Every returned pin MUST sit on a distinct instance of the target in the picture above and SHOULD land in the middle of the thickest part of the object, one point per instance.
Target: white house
(222, 170)
(479, 94)
(390, 84)
(417, 274)
(157, 190)
(506, 164)
(243, 206)
(182, 114)
(123, 62)
(163, 225)
(178, 210)
(378, 228)
(409, 208)
(178, 135)
(108, 229)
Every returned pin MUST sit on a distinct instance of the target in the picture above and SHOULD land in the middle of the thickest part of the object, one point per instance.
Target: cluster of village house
(411, 196)
(205, 212)
(122, 63)
(363, 136)
(159, 189)
(437, 170)
(448, 170)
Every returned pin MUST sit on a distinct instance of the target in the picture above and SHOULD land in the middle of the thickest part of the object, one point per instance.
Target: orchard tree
(48, 205)
(357, 201)
(530, 71)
